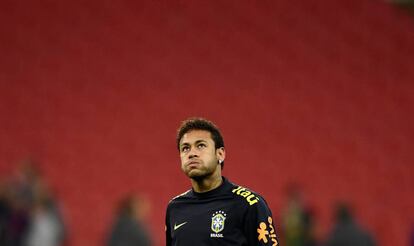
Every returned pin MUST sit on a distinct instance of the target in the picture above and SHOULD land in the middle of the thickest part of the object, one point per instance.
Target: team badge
(217, 223)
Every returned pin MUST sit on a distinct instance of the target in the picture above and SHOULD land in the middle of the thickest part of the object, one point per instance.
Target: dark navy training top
(228, 215)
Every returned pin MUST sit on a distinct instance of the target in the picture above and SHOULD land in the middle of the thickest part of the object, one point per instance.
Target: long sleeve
(167, 229)
(259, 225)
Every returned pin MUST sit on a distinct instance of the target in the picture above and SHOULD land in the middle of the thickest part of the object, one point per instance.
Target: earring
(220, 161)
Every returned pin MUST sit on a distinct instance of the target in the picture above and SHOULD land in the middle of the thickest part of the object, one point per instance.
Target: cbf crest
(217, 223)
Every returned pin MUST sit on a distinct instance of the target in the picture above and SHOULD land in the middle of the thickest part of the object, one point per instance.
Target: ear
(221, 154)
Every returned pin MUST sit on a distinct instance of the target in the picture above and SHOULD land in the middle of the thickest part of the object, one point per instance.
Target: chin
(196, 175)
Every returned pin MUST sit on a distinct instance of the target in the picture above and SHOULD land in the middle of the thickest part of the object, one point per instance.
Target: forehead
(196, 135)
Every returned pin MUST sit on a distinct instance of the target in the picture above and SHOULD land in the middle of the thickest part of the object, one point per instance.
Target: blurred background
(314, 99)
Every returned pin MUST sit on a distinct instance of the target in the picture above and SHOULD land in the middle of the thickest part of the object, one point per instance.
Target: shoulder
(179, 197)
(249, 197)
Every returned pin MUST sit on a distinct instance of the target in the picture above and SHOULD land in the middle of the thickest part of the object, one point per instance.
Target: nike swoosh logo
(179, 225)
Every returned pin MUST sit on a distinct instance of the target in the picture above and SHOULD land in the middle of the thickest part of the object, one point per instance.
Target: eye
(201, 146)
(185, 149)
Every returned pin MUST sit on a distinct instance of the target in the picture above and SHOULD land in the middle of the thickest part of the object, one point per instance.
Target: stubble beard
(199, 174)
(199, 177)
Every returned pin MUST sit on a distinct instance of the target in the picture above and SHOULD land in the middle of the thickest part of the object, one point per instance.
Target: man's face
(199, 156)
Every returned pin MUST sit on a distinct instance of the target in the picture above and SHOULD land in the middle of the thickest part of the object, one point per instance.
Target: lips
(193, 164)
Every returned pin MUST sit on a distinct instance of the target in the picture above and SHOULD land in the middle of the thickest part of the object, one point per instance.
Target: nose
(192, 154)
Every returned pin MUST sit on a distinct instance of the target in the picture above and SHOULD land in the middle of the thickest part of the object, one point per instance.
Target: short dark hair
(201, 124)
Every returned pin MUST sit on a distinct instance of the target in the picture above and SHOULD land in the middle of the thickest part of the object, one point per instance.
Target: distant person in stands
(25, 181)
(46, 227)
(33, 219)
(298, 220)
(5, 212)
(20, 200)
(346, 231)
(129, 228)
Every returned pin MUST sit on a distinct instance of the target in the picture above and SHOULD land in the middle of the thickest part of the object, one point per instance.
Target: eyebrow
(196, 142)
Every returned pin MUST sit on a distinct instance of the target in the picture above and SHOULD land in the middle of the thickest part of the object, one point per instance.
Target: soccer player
(215, 211)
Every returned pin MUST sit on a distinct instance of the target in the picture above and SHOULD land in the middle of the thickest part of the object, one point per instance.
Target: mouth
(193, 164)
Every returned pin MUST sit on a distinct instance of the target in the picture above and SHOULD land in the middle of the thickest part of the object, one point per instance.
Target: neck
(207, 183)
